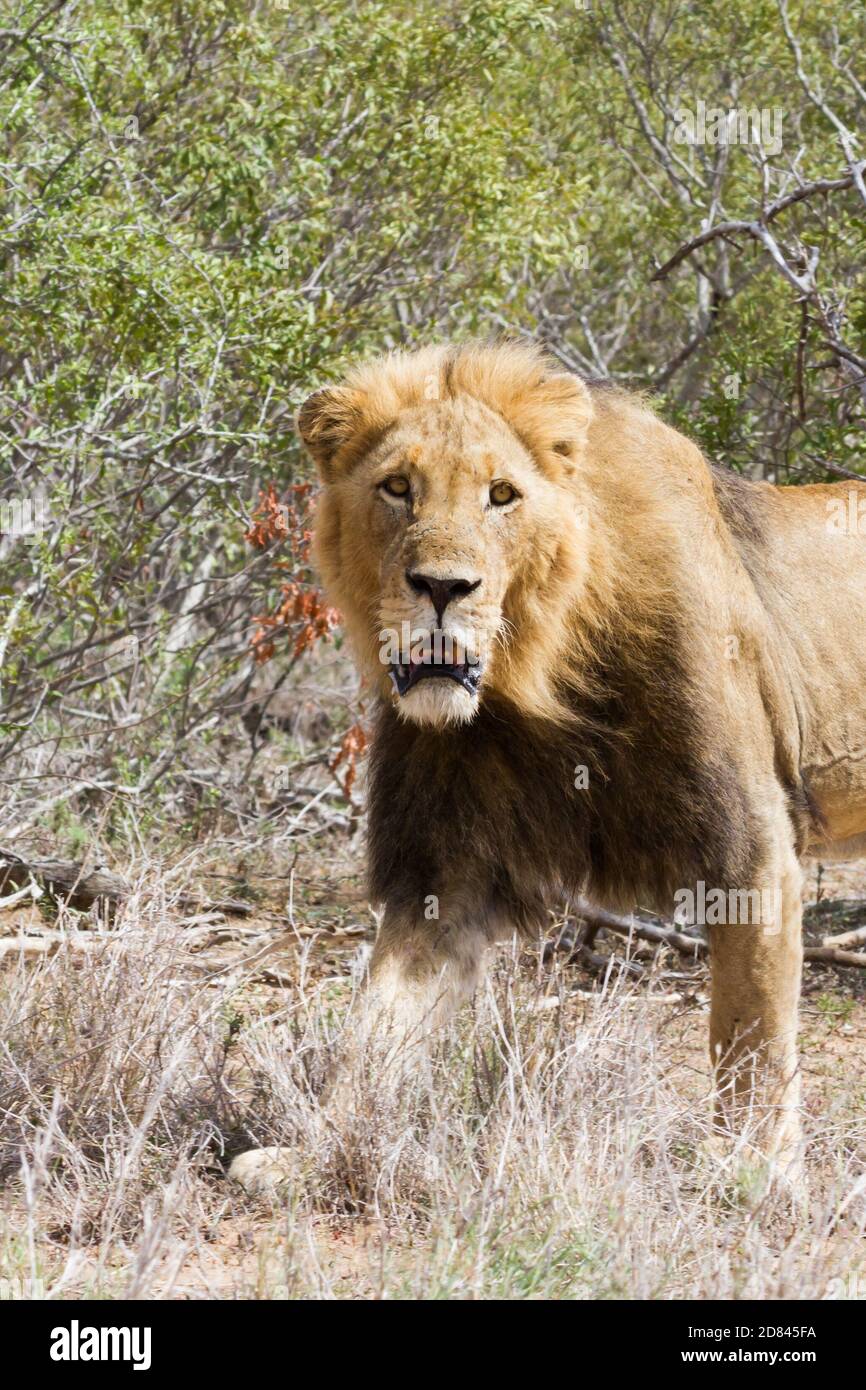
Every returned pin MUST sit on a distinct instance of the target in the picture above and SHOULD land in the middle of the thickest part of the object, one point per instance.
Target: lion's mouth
(406, 676)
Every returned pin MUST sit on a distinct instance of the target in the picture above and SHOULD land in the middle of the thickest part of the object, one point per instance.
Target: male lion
(602, 667)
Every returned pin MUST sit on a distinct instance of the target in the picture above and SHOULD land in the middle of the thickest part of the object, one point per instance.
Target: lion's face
(445, 540)
(455, 511)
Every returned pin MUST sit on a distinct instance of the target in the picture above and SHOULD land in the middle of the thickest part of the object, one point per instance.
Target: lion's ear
(326, 422)
(555, 416)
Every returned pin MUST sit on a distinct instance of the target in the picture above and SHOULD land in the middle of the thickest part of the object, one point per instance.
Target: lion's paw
(748, 1175)
(264, 1172)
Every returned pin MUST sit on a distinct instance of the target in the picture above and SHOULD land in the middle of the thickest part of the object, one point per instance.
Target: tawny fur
(693, 641)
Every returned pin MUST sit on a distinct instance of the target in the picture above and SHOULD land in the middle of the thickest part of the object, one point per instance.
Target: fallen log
(60, 878)
(81, 888)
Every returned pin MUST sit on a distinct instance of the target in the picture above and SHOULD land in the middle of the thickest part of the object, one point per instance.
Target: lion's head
(453, 530)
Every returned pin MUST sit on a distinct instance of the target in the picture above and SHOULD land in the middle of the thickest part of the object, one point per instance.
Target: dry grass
(554, 1146)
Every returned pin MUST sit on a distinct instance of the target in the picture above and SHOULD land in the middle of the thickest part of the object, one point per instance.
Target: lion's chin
(437, 703)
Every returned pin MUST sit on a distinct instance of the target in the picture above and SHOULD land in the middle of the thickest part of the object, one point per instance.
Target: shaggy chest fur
(630, 803)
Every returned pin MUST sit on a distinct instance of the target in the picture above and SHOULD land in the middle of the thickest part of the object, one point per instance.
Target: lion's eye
(395, 486)
(502, 493)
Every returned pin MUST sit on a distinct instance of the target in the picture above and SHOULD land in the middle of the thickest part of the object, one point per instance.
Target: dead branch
(756, 228)
(830, 955)
(48, 943)
(856, 937)
(831, 952)
(629, 927)
(230, 907)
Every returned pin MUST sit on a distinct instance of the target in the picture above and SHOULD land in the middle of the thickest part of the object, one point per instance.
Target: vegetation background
(211, 207)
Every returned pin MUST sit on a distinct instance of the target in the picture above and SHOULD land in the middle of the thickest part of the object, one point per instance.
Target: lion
(602, 667)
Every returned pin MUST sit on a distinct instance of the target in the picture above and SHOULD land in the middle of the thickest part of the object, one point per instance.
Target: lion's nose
(441, 591)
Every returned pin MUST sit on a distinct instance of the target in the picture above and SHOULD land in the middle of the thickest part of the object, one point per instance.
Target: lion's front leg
(420, 973)
(756, 970)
